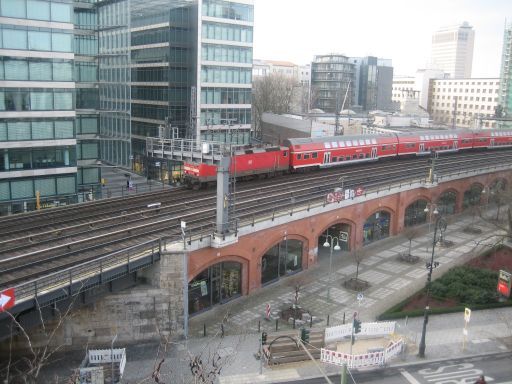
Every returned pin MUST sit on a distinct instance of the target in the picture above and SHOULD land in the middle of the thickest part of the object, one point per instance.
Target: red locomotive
(322, 152)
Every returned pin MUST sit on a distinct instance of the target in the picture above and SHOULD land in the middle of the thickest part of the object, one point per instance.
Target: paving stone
(393, 266)
(398, 283)
(374, 277)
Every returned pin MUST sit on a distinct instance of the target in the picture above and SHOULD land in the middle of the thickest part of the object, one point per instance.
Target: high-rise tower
(452, 50)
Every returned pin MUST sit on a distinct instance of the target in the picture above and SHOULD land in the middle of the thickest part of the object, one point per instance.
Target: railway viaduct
(200, 273)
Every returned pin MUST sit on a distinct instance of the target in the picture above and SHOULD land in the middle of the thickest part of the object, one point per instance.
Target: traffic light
(304, 335)
(263, 338)
(357, 326)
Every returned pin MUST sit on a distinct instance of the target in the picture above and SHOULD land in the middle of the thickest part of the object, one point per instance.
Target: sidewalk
(391, 281)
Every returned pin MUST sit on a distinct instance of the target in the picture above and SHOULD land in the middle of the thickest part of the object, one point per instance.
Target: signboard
(7, 299)
(504, 282)
(343, 236)
(340, 195)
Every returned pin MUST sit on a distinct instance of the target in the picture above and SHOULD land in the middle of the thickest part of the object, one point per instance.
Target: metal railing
(187, 149)
(76, 279)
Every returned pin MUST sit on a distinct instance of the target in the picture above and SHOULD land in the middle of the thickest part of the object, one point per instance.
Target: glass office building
(224, 75)
(505, 92)
(332, 80)
(37, 104)
(87, 97)
(85, 82)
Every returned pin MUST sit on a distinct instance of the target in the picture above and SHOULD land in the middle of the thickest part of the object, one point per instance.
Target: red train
(322, 152)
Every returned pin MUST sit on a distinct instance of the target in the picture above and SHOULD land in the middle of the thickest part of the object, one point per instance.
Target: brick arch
(280, 237)
(353, 230)
(498, 179)
(448, 189)
(415, 198)
(208, 264)
(390, 210)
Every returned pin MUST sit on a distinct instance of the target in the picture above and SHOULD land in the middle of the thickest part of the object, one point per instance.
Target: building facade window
(281, 260)
(217, 284)
(376, 227)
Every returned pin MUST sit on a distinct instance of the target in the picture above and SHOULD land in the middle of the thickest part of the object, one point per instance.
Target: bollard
(259, 326)
(204, 330)
(294, 323)
(311, 321)
(221, 330)
(343, 317)
(276, 324)
(328, 320)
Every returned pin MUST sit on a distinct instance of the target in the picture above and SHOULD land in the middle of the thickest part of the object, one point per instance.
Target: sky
(400, 30)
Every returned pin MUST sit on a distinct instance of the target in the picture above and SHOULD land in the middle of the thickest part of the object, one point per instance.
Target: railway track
(67, 241)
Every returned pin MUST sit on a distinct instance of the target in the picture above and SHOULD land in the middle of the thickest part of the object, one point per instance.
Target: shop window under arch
(415, 213)
(217, 284)
(376, 227)
(472, 196)
(446, 203)
(281, 260)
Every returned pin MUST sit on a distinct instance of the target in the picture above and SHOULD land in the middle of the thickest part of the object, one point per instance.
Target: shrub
(467, 285)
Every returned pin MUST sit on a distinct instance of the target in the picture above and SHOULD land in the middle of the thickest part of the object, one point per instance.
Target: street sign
(467, 314)
(504, 283)
(343, 236)
(359, 191)
(7, 299)
(360, 296)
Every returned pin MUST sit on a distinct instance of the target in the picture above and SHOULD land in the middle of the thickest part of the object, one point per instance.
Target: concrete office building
(407, 87)
(267, 67)
(464, 103)
(452, 50)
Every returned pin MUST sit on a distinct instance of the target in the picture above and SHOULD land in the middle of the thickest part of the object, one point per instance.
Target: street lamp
(441, 225)
(434, 212)
(336, 247)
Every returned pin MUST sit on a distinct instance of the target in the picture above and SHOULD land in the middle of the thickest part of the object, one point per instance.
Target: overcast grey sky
(401, 30)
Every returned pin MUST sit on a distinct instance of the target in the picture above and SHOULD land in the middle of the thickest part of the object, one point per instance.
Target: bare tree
(272, 93)
(27, 368)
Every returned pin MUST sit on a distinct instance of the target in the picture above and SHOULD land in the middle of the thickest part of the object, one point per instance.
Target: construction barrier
(369, 359)
(367, 329)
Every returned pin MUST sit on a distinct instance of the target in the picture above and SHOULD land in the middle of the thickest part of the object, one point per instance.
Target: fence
(367, 329)
(369, 359)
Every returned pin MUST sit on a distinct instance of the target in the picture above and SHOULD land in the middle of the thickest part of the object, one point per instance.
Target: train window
(455, 136)
(422, 138)
(394, 146)
(354, 156)
(306, 156)
(285, 153)
(342, 144)
(314, 155)
(349, 143)
(374, 141)
(327, 145)
(347, 158)
(334, 144)
(334, 159)
(299, 156)
(367, 141)
(361, 155)
(361, 142)
(367, 155)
